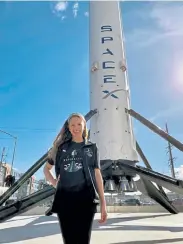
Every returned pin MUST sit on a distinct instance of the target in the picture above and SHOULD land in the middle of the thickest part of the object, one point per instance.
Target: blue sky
(44, 74)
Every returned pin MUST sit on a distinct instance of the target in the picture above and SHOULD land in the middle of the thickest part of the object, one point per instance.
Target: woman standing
(79, 183)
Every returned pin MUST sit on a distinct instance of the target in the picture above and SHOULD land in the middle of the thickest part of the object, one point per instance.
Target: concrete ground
(134, 228)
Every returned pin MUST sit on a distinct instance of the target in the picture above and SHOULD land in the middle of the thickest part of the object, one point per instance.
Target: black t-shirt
(74, 167)
(73, 177)
(72, 186)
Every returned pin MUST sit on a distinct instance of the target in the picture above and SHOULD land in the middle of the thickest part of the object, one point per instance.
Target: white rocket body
(111, 128)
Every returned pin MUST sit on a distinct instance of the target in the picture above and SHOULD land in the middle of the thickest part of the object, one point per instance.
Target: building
(27, 188)
(2, 174)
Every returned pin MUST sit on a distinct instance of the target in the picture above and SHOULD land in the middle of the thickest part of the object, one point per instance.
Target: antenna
(171, 158)
(3, 155)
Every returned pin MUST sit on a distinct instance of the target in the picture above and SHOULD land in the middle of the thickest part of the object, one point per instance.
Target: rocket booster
(111, 128)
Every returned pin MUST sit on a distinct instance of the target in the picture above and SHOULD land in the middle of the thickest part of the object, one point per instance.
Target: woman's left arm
(100, 187)
(98, 176)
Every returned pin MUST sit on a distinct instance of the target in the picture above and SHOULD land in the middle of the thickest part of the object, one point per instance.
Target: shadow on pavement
(152, 241)
(110, 225)
(48, 226)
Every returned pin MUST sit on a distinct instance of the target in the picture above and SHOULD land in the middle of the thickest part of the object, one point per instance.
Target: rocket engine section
(111, 128)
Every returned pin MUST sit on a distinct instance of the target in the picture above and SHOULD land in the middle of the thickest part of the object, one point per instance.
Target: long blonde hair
(65, 135)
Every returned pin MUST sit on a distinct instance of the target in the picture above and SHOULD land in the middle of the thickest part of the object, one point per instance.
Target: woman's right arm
(48, 174)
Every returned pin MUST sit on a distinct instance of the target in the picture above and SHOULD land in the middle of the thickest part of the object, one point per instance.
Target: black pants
(76, 224)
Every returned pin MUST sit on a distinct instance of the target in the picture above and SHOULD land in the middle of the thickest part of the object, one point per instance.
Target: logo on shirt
(73, 163)
(74, 153)
(88, 152)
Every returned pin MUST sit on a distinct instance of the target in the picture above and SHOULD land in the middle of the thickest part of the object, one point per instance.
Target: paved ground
(146, 228)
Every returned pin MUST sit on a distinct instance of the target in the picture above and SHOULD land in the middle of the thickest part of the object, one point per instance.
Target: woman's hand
(100, 187)
(103, 212)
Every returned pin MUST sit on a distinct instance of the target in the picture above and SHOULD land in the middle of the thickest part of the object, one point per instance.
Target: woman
(78, 183)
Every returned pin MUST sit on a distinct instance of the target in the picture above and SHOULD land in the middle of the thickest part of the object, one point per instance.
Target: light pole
(14, 148)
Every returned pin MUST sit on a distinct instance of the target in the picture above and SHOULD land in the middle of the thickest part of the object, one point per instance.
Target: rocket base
(116, 179)
(119, 177)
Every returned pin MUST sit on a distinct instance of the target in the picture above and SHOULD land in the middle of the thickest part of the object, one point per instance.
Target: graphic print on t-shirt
(73, 162)
(88, 152)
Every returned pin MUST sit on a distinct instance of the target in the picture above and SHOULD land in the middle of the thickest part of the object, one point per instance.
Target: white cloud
(167, 19)
(75, 9)
(167, 113)
(179, 172)
(61, 6)
(147, 37)
(63, 17)
(86, 14)
(162, 34)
